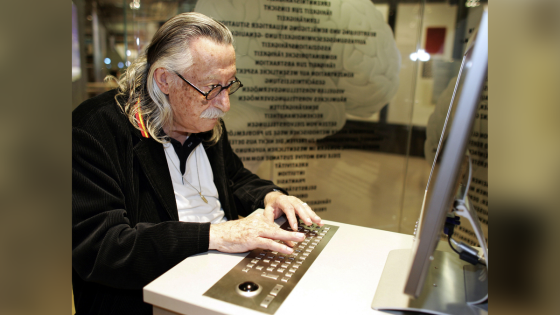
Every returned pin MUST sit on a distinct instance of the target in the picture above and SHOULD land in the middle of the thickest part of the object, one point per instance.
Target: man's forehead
(202, 47)
(211, 59)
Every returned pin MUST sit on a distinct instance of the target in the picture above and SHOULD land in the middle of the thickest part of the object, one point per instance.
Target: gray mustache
(212, 113)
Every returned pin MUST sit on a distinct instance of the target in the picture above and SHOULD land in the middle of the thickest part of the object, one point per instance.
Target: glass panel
(435, 83)
(337, 95)
(316, 79)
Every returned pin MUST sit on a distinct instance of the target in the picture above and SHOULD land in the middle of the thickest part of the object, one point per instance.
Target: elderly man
(154, 177)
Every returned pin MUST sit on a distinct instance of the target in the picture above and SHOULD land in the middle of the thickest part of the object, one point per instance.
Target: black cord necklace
(199, 191)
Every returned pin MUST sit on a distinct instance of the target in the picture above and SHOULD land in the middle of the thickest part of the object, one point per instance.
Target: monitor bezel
(441, 194)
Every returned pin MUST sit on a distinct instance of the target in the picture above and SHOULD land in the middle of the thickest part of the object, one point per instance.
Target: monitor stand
(451, 286)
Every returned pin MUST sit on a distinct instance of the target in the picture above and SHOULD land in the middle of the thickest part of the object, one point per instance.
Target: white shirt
(190, 205)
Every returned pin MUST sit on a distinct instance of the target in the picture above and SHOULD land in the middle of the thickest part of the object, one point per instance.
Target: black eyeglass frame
(205, 94)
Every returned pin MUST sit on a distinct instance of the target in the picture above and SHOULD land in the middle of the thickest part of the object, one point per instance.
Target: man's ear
(162, 79)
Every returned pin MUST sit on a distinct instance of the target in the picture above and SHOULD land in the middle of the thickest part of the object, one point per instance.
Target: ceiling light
(421, 55)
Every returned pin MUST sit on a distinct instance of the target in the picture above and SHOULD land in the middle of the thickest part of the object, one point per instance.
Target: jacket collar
(152, 159)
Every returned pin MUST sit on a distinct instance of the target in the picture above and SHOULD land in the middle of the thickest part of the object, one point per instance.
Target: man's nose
(222, 101)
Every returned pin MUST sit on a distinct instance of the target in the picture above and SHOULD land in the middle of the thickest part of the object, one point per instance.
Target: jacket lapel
(152, 159)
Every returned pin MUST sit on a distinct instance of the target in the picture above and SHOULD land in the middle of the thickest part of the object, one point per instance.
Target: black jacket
(125, 228)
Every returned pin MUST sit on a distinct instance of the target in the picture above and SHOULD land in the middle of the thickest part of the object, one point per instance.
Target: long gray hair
(169, 49)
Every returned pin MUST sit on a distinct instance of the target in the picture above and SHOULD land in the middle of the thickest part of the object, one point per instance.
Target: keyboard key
(289, 274)
(270, 275)
(266, 260)
(280, 270)
(275, 253)
(292, 270)
(296, 266)
(246, 269)
(276, 289)
(311, 246)
(254, 261)
(305, 254)
(250, 265)
(280, 257)
(259, 267)
(299, 262)
(274, 264)
(267, 300)
(270, 268)
(285, 279)
(284, 265)
(308, 250)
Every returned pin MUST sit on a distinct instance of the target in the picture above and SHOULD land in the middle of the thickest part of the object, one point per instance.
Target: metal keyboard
(264, 278)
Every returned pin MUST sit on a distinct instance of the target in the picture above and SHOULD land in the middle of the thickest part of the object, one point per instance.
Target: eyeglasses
(216, 89)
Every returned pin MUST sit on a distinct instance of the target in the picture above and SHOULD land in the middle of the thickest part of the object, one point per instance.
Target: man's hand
(255, 231)
(277, 203)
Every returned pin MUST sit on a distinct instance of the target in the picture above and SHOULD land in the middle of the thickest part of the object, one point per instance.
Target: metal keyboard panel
(274, 283)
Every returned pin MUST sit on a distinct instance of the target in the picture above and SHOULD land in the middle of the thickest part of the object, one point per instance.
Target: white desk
(342, 280)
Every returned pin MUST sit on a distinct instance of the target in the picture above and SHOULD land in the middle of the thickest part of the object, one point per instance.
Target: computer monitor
(421, 278)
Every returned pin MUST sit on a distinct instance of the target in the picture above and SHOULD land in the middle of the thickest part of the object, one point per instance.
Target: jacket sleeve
(249, 190)
(106, 248)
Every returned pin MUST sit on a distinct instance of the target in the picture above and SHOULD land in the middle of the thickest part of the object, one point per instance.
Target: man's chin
(210, 123)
